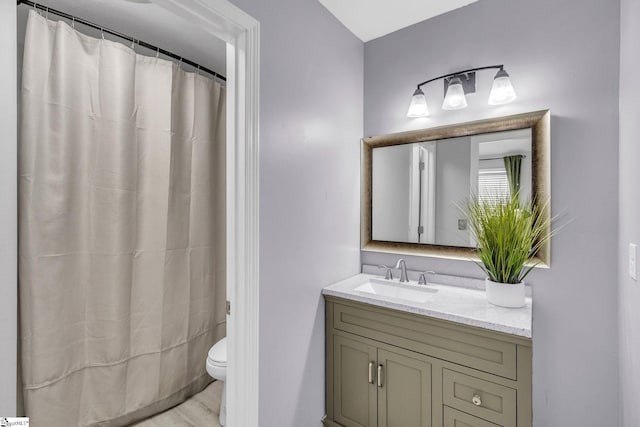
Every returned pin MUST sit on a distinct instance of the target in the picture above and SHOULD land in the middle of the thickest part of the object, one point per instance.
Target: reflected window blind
(493, 184)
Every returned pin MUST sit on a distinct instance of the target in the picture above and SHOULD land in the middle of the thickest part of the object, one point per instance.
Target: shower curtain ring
(73, 22)
(157, 52)
(47, 14)
(102, 32)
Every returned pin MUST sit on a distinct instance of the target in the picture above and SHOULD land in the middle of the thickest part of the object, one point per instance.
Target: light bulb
(418, 106)
(455, 98)
(502, 91)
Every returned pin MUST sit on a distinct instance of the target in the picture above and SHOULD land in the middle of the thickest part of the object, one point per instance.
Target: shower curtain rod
(159, 50)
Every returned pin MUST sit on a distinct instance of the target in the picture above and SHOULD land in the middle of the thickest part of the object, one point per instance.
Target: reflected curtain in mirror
(513, 164)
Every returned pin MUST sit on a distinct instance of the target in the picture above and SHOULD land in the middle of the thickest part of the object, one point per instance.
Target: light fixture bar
(460, 83)
(488, 67)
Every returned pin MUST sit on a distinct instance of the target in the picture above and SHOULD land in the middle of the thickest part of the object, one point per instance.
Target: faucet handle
(422, 280)
(388, 274)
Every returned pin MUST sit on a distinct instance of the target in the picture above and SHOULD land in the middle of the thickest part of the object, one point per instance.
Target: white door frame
(242, 34)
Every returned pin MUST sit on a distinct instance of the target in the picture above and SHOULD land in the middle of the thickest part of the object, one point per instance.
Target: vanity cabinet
(388, 368)
(377, 387)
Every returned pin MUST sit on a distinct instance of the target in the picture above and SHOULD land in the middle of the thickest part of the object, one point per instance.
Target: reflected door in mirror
(417, 188)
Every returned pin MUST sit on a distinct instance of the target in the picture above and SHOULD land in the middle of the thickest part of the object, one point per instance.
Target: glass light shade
(502, 91)
(455, 98)
(418, 106)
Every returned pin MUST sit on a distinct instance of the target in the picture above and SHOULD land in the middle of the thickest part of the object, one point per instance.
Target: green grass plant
(508, 234)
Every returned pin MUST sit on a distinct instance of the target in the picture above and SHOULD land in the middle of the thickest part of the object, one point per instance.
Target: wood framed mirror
(413, 183)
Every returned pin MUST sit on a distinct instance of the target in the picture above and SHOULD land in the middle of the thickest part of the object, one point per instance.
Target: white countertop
(456, 304)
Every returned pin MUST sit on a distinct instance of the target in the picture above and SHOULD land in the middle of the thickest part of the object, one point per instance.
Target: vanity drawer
(431, 337)
(484, 399)
(455, 418)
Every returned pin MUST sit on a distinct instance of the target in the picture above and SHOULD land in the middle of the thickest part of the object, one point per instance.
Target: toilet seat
(217, 360)
(217, 368)
(218, 353)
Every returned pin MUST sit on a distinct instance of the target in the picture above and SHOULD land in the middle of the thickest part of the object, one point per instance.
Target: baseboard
(329, 423)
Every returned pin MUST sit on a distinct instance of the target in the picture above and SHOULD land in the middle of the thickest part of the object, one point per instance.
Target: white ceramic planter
(505, 294)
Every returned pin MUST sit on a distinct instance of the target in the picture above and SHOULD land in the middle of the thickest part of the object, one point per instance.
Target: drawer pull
(379, 375)
(371, 373)
(476, 400)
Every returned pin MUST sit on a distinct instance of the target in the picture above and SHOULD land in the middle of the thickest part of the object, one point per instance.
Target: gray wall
(8, 212)
(629, 173)
(390, 196)
(453, 186)
(311, 124)
(563, 56)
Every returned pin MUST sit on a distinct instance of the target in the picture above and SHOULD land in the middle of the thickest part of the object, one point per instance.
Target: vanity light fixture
(457, 85)
(502, 91)
(418, 107)
(455, 98)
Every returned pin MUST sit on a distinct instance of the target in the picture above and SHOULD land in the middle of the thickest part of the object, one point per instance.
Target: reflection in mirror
(414, 182)
(417, 188)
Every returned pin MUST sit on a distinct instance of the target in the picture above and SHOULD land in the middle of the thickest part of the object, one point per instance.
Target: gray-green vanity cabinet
(404, 393)
(378, 387)
(387, 368)
(356, 394)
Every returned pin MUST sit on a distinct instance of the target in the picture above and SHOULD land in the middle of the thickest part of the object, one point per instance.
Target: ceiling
(147, 22)
(370, 19)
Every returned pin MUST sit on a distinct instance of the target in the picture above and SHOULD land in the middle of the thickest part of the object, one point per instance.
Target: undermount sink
(401, 291)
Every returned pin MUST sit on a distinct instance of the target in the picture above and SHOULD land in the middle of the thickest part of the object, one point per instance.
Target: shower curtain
(122, 229)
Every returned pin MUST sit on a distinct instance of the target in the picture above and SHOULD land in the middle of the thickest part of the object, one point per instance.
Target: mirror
(416, 189)
(414, 182)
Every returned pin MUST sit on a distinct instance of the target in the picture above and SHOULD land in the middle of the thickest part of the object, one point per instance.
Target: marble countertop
(453, 303)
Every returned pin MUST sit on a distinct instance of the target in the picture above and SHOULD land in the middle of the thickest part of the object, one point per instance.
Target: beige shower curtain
(122, 229)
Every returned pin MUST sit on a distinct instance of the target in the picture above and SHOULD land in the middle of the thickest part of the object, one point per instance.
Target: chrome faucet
(403, 270)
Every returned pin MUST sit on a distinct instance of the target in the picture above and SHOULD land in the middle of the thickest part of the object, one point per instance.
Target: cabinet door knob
(476, 400)
(371, 373)
(379, 375)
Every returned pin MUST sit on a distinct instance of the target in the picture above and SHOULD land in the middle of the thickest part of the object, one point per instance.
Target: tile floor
(200, 410)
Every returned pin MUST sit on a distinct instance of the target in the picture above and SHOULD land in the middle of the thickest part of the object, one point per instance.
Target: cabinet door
(404, 390)
(354, 388)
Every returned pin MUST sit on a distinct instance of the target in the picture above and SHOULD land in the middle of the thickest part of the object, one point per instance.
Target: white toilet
(217, 368)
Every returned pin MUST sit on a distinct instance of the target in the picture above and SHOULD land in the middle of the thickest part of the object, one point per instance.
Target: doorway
(241, 33)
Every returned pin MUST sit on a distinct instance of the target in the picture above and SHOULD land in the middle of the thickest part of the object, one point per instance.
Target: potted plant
(507, 233)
